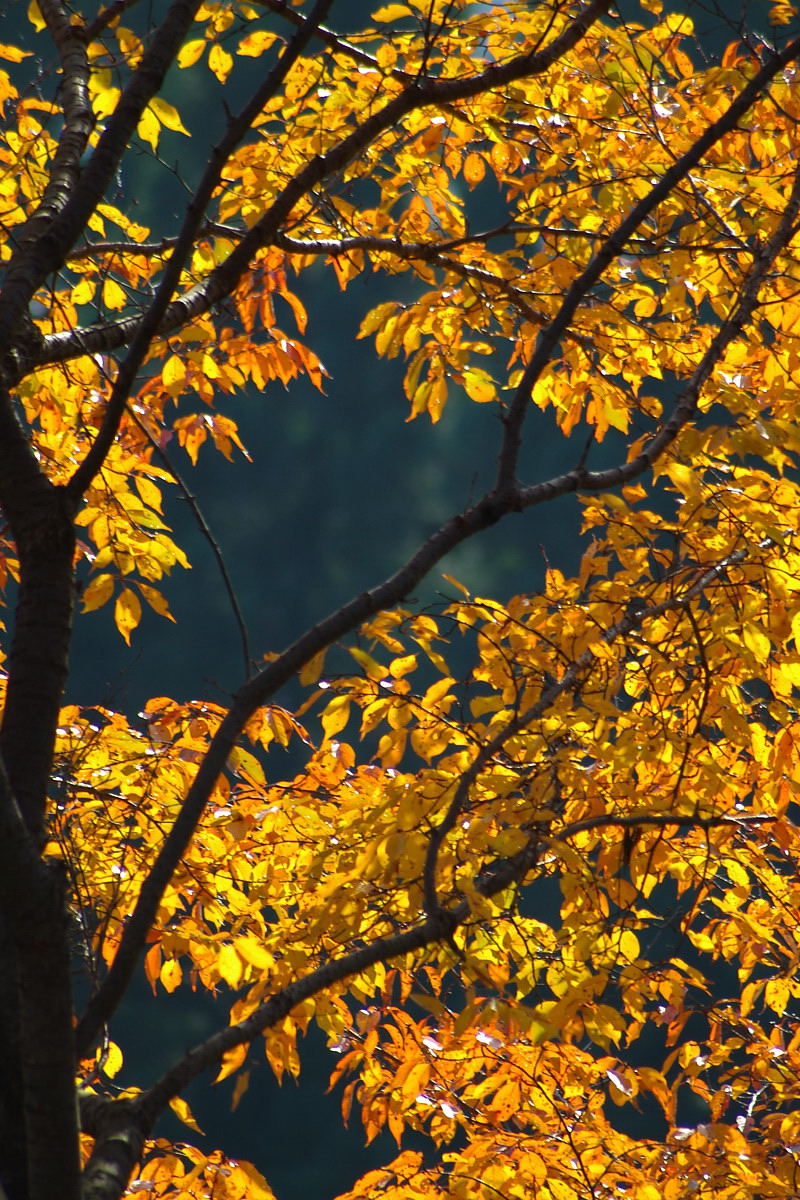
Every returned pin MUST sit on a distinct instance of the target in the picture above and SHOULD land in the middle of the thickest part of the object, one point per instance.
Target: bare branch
(216, 550)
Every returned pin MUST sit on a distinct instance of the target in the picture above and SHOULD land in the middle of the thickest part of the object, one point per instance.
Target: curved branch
(205, 530)
(254, 693)
(658, 821)
(581, 479)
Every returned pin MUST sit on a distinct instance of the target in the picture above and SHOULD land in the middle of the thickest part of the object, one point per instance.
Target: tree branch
(106, 16)
(119, 1129)
(581, 479)
(657, 821)
(203, 526)
(495, 877)
(41, 523)
(78, 119)
(34, 913)
(577, 670)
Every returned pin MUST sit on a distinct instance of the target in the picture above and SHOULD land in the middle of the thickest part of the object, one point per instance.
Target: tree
(629, 733)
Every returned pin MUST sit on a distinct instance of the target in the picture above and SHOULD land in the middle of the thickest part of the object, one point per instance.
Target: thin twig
(216, 550)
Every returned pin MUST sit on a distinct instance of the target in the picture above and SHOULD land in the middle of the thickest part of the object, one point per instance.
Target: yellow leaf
(149, 127)
(220, 62)
(13, 53)
(736, 873)
(230, 965)
(244, 763)
(171, 975)
(454, 583)
(371, 666)
(113, 295)
(386, 56)
(249, 1182)
(155, 600)
(479, 385)
(757, 642)
(98, 592)
(777, 995)
(313, 669)
(782, 14)
(335, 716)
(474, 168)
(105, 96)
(189, 54)
(629, 945)
(127, 613)
(376, 318)
(112, 1060)
(83, 292)
(401, 666)
(173, 375)
(684, 478)
(168, 115)
(415, 1081)
(391, 12)
(35, 16)
(184, 1113)
(231, 1061)
(254, 44)
(150, 493)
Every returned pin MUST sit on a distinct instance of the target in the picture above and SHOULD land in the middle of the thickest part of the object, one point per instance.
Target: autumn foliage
(489, 886)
